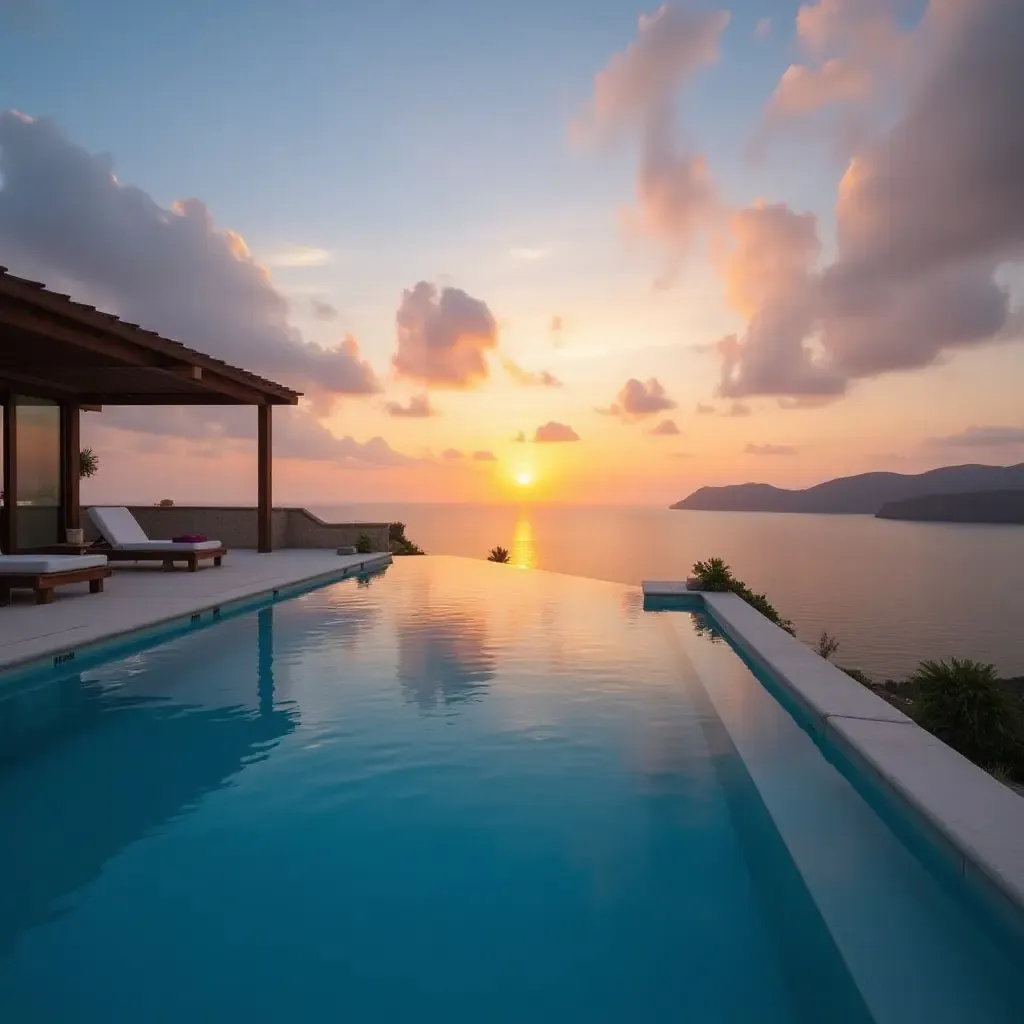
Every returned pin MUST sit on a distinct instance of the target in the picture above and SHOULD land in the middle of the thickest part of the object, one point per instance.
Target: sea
(892, 593)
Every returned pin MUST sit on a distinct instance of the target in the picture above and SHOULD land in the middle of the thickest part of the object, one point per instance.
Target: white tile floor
(141, 595)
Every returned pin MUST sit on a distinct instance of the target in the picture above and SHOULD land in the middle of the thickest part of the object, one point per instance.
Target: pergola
(81, 358)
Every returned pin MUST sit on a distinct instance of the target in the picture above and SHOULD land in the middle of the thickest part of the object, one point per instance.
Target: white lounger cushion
(120, 529)
(33, 565)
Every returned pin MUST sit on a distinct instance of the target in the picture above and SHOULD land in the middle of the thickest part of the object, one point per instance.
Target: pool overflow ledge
(93, 652)
(968, 824)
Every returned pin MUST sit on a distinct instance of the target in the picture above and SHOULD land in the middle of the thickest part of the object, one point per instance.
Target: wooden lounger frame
(43, 583)
(191, 558)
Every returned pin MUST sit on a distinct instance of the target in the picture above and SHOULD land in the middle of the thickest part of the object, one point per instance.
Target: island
(972, 507)
(864, 494)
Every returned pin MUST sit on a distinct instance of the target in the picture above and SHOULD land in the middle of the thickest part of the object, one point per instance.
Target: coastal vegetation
(88, 463)
(498, 554)
(399, 543)
(962, 702)
(714, 575)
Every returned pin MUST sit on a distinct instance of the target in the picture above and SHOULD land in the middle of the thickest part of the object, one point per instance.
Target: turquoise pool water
(453, 792)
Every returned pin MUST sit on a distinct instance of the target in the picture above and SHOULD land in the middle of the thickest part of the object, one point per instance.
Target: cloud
(769, 449)
(296, 436)
(738, 409)
(418, 407)
(557, 331)
(552, 433)
(763, 29)
(519, 438)
(980, 437)
(680, 455)
(854, 49)
(528, 255)
(64, 217)
(705, 410)
(323, 310)
(666, 428)
(484, 457)
(926, 215)
(293, 256)
(530, 378)
(451, 454)
(443, 337)
(637, 400)
(635, 93)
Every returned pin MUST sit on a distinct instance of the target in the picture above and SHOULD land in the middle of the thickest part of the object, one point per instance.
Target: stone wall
(236, 527)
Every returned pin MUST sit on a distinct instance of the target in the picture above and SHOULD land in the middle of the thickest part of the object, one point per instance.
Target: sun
(524, 478)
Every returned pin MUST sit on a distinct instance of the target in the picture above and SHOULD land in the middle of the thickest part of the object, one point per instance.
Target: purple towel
(189, 538)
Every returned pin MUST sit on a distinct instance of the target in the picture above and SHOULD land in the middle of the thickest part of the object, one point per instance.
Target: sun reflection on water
(522, 544)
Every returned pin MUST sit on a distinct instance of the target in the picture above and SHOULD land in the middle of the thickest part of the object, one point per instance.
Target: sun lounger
(42, 573)
(125, 541)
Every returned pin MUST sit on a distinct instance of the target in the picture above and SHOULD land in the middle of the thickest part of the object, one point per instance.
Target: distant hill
(972, 507)
(864, 494)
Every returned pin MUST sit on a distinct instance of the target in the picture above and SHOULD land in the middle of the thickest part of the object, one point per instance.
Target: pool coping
(207, 610)
(978, 818)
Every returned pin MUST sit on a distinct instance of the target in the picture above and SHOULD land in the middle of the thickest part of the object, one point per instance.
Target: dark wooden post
(69, 480)
(264, 459)
(8, 539)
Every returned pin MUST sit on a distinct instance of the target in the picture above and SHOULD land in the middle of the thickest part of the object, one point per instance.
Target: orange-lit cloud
(854, 47)
(451, 455)
(418, 407)
(554, 433)
(638, 399)
(636, 92)
(530, 378)
(666, 428)
(484, 456)
(443, 337)
(769, 449)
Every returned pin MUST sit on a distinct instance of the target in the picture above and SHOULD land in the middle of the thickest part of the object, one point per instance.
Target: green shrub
(963, 703)
(363, 544)
(498, 555)
(716, 577)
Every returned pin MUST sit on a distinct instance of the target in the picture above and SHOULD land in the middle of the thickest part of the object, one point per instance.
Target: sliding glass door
(37, 483)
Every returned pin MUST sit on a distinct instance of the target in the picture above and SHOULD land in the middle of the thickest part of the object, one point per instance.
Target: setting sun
(524, 477)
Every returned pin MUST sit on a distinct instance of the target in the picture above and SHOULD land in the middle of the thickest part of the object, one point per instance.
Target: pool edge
(202, 615)
(975, 819)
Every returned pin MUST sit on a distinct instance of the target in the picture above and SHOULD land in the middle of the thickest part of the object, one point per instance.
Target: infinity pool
(454, 792)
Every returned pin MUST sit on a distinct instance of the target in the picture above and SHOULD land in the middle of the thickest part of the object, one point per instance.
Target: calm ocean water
(893, 593)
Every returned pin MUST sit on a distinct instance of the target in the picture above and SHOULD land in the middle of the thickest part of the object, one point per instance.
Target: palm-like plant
(714, 575)
(88, 463)
(963, 704)
(498, 555)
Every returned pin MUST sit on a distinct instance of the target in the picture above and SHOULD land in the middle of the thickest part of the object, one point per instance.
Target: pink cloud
(451, 454)
(926, 216)
(666, 428)
(418, 407)
(637, 400)
(484, 456)
(636, 92)
(554, 433)
(443, 337)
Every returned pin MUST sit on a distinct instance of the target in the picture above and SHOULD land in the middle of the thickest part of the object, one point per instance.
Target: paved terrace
(137, 597)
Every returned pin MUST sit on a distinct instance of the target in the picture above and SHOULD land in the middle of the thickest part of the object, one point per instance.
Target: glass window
(37, 455)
